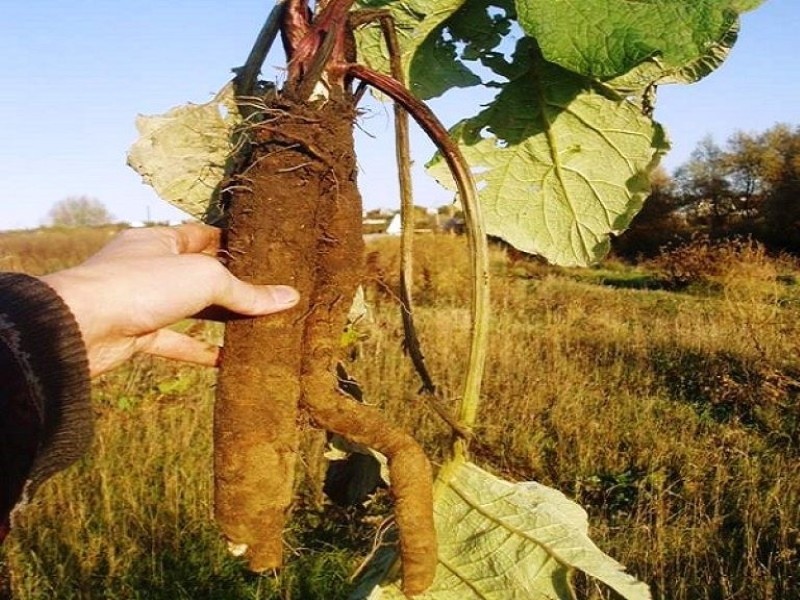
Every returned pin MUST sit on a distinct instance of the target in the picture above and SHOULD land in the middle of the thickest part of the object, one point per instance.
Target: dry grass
(672, 417)
(45, 250)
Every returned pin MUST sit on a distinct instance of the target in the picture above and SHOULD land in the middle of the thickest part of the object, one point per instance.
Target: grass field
(665, 398)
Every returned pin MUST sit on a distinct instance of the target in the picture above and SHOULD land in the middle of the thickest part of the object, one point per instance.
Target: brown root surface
(274, 236)
(295, 218)
(409, 469)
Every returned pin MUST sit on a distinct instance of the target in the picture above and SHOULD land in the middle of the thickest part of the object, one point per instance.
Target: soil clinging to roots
(295, 218)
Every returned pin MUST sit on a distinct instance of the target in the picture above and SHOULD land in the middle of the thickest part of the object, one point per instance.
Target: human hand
(144, 280)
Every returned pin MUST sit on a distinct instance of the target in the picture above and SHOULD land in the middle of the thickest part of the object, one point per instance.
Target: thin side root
(409, 469)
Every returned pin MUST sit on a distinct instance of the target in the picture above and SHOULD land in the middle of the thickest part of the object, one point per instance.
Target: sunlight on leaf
(499, 539)
(561, 162)
(183, 153)
(429, 61)
(605, 38)
(745, 5)
(640, 82)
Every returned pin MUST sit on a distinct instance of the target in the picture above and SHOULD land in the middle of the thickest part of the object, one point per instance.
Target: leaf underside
(564, 152)
(183, 154)
(435, 67)
(560, 161)
(509, 540)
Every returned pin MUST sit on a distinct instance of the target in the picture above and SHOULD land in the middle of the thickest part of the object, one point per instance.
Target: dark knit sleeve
(46, 418)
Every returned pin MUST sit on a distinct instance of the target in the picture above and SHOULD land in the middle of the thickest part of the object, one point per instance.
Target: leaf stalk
(468, 404)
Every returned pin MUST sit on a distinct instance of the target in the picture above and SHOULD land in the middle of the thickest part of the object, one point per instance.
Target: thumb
(253, 300)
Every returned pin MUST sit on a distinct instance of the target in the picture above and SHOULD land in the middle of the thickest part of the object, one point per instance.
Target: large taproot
(294, 217)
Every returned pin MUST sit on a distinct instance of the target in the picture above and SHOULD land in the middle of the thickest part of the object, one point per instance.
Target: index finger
(190, 238)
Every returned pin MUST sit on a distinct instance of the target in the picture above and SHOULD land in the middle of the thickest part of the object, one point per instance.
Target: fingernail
(285, 295)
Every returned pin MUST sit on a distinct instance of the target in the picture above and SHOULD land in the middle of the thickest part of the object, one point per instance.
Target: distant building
(395, 226)
(375, 226)
(390, 222)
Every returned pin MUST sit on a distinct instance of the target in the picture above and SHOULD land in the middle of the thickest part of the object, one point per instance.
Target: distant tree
(424, 218)
(704, 184)
(659, 223)
(751, 187)
(450, 210)
(744, 162)
(79, 211)
(781, 181)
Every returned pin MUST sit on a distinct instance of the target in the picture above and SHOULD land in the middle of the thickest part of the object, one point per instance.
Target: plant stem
(470, 401)
(247, 75)
(403, 153)
(309, 81)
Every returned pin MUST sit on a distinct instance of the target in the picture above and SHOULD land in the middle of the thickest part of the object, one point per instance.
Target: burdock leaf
(606, 38)
(560, 161)
(745, 5)
(436, 68)
(499, 539)
(480, 25)
(639, 83)
(183, 153)
(429, 61)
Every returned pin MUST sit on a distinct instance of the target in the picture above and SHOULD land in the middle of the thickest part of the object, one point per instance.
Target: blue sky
(74, 74)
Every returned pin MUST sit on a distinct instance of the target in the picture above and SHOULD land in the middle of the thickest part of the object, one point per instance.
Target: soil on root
(294, 206)
(295, 218)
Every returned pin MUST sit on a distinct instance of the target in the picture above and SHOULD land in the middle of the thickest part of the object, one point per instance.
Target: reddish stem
(305, 39)
(414, 106)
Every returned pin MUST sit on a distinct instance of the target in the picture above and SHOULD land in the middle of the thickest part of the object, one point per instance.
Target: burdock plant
(562, 156)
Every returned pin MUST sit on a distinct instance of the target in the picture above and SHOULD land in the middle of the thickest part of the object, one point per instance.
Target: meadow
(664, 397)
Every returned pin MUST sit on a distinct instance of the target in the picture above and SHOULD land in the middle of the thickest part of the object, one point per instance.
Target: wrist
(81, 297)
(65, 285)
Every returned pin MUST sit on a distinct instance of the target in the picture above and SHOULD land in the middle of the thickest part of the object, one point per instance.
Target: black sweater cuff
(46, 418)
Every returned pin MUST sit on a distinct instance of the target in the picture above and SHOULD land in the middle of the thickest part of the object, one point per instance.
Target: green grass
(672, 417)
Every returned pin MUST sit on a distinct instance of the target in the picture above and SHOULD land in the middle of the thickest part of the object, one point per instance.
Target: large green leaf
(508, 540)
(480, 25)
(429, 60)
(639, 84)
(745, 5)
(654, 72)
(183, 153)
(606, 38)
(561, 163)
